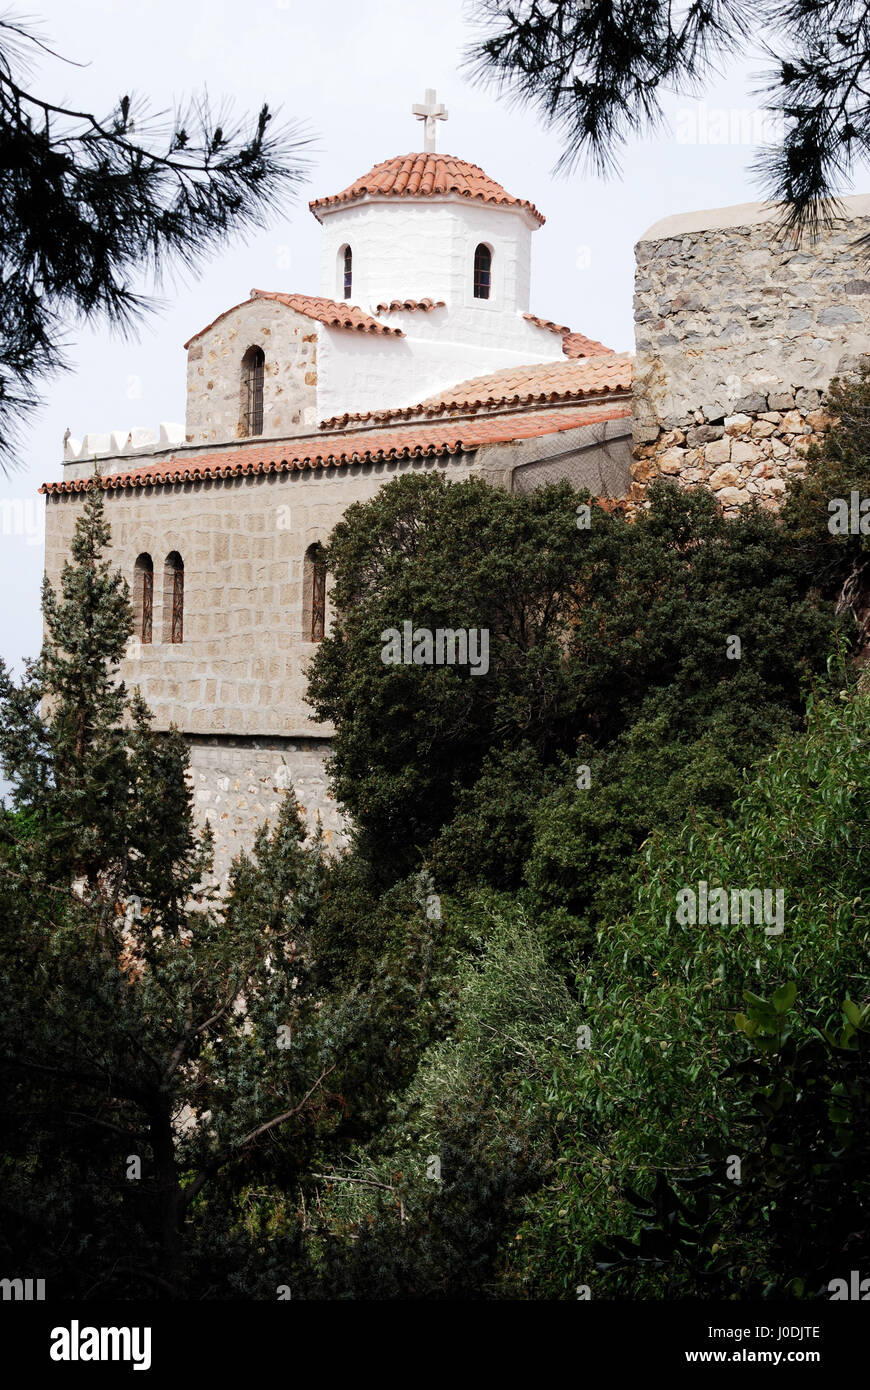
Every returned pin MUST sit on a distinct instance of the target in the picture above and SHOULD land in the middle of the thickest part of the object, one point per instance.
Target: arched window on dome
(253, 371)
(143, 597)
(347, 271)
(482, 271)
(173, 598)
(314, 594)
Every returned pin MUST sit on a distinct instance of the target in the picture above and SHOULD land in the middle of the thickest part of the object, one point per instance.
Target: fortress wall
(739, 330)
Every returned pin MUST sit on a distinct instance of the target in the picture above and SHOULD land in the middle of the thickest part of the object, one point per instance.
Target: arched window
(482, 271)
(347, 270)
(253, 366)
(314, 594)
(173, 598)
(143, 597)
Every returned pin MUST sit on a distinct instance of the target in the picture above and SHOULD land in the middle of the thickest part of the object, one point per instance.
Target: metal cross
(429, 112)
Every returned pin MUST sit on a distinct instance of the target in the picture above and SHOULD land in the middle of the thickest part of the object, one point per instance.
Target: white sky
(350, 69)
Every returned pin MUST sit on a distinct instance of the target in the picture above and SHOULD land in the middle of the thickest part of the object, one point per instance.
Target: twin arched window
(313, 596)
(173, 598)
(253, 371)
(482, 271)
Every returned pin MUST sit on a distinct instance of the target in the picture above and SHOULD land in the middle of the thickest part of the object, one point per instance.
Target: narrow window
(482, 271)
(314, 594)
(173, 598)
(348, 272)
(253, 365)
(143, 597)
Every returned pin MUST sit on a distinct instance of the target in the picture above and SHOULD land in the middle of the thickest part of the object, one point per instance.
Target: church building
(420, 352)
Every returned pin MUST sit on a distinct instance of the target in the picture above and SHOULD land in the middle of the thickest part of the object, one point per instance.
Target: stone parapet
(739, 330)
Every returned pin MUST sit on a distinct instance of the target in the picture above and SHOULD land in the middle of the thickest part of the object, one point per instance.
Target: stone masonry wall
(214, 373)
(238, 784)
(738, 334)
(240, 669)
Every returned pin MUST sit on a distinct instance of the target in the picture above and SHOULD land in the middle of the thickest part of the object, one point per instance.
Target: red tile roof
(425, 176)
(542, 381)
(332, 312)
(374, 446)
(410, 304)
(578, 345)
(547, 323)
(538, 383)
(573, 344)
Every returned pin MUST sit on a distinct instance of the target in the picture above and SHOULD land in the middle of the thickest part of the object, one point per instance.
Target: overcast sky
(349, 69)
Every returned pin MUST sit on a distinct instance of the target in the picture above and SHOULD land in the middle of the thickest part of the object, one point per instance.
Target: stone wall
(241, 667)
(239, 784)
(214, 372)
(738, 333)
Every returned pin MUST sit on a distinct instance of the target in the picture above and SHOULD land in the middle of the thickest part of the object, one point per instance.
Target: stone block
(702, 434)
(671, 460)
(727, 475)
(750, 405)
(742, 452)
(837, 314)
(818, 419)
(718, 451)
(737, 424)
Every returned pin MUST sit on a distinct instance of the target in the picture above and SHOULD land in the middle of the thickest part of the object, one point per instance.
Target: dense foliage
(485, 1053)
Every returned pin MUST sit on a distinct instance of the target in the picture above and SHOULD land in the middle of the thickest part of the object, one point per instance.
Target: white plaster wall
(359, 373)
(413, 248)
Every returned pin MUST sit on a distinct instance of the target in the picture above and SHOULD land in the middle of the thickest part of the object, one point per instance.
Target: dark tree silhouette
(89, 205)
(595, 71)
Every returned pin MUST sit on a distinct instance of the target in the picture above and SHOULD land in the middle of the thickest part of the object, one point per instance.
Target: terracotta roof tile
(573, 344)
(395, 305)
(425, 176)
(375, 446)
(537, 383)
(334, 313)
(547, 323)
(578, 345)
